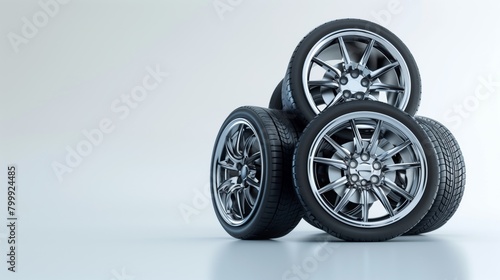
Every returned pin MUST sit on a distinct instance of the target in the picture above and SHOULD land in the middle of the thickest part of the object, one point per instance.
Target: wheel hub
(364, 171)
(354, 84)
(244, 172)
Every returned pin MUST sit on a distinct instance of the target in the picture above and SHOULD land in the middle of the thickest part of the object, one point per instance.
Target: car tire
(251, 182)
(320, 74)
(361, 172)
(275, 102)
(452, 177)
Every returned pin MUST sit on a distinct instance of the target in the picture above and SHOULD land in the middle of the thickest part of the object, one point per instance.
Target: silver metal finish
(355, 64)
(367, 169)
(238, 172)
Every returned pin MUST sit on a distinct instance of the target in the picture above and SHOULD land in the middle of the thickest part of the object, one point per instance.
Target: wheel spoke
(253, 157)
(252, 183)
(397, 189)
(372, 147)
(239, 139)
(381, 71)
(386, 87)
(341, 150)
(327, 67)
(401, 166)
(383, 199)
(228, 203)
(323, 83)
(345, 199)
(226, 165)
(232, 156)
(229, 185)
(239, 203)
(332, 162)
(336, 100)
(367, 53)
(345, 54)
(248, 197)
(358, 141)
(248, 145)
(390, 153)
(365, 206)
(338, 183)
(398, 97)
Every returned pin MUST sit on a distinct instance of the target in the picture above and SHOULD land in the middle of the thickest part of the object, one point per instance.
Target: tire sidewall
(275, 101)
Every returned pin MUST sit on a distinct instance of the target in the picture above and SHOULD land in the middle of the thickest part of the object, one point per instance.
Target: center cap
(244, 172)
(352, 84)
(364, 170)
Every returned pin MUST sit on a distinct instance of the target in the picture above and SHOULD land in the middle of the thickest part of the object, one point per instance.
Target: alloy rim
(367, 169)
(238, 172)
(355, 64)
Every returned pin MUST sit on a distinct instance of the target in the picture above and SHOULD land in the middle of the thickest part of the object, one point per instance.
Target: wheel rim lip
(327, 40)
(326, 205)
(216, 170)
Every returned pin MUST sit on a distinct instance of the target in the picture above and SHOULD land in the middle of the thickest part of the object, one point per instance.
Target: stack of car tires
(339, 146)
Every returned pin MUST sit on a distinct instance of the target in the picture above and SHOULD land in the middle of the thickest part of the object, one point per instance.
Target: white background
(116, 214)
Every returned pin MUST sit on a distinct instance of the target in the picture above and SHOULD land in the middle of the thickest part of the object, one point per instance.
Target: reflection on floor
(212, 254)
(320, 256)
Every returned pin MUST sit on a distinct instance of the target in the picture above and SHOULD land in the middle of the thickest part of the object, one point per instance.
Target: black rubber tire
(277, 210)
(452, 178)
(293, 95)
(320, 217)
(275, 102)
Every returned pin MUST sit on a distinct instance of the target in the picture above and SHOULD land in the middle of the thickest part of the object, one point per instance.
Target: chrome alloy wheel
(367, 169)
(355, 64)
(238, 172)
